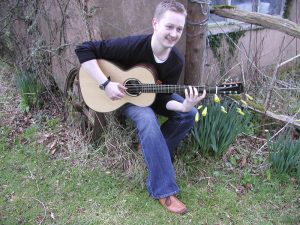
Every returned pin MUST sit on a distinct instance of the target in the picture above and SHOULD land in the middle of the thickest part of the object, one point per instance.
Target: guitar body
(96, 99)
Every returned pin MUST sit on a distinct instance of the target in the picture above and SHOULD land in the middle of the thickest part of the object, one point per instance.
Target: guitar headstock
(230, 88)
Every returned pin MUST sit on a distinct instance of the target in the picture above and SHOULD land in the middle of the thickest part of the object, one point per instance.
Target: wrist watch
(102, 86)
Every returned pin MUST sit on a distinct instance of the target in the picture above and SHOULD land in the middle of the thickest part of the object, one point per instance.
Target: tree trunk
(267, 21)
(195, 42)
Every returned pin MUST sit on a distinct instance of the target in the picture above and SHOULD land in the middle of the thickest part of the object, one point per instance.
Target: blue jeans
(159, 143)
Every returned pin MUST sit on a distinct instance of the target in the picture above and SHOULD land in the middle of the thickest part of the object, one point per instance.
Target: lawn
(38, 188)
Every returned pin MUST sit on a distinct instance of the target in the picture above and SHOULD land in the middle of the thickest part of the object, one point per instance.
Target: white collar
(157, 60)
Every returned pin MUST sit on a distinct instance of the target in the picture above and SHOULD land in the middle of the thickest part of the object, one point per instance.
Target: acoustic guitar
(141, 87)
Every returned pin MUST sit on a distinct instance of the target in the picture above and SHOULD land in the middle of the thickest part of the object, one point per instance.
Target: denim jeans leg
(178, 124)
(161, 180)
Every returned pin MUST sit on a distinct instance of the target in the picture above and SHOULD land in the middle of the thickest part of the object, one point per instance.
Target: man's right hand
(115, 91)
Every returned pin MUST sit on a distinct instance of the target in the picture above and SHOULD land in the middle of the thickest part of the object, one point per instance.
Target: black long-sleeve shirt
(133, 50)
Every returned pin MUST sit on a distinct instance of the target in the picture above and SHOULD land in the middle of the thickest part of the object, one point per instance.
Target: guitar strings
(172, 88)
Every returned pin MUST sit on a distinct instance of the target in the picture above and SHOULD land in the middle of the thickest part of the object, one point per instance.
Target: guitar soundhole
(133, 87)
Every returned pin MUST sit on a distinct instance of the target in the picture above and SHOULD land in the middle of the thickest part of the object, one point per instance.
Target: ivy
(233, 39)
(215, 43)
(287, 8)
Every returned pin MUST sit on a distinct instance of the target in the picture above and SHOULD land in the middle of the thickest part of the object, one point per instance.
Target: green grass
(37, 188)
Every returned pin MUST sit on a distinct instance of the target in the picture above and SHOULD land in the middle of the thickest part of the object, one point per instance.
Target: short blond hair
(169, 5)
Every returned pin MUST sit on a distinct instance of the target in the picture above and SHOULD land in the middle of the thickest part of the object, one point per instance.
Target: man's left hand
(192, 97)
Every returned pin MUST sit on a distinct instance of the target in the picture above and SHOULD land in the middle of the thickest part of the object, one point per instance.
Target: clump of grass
(285, 155)
(30, 90)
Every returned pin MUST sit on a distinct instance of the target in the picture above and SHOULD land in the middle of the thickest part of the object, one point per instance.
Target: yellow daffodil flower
(249, 97)
(197, 117)
(223, 109)
(242, 113)
(244, 103)
(216, 98)
(199, 107)
(239, 111)
(204, 112)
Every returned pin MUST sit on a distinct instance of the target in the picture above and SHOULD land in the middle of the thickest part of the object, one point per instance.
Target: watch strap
(102, 86)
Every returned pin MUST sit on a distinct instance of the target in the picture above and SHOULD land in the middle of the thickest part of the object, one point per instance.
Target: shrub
(285, 155)
(219, 128)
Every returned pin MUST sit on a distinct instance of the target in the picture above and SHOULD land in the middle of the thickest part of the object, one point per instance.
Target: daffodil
(197, 117)
(223, 109)
(244, 103)
(216, 98)
(239, 111)
(199, 107)
(204, 112)
(249, 97)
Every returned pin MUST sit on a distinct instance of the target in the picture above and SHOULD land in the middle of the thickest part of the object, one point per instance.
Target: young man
(158, 143)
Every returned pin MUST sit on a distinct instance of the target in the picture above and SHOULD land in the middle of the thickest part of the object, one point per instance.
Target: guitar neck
(154, 88)
(162, 88)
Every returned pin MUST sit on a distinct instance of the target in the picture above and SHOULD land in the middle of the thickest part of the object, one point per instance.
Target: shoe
(172, 204)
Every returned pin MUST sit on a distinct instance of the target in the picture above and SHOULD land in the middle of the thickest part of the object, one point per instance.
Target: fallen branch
(265, 20)
(289, 60)
(284, 119)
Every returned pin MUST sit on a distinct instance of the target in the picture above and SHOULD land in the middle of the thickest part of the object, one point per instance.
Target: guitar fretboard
(154, 88)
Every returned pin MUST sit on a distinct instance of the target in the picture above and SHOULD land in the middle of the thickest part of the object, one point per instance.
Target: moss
(236, 97)
(252, 104)
(223, 7)
(256, 106)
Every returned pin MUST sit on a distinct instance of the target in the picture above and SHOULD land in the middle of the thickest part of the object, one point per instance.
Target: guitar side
(97, 100)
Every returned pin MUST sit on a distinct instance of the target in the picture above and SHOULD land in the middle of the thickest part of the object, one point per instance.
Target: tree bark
(195, 42)
(267, 21)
